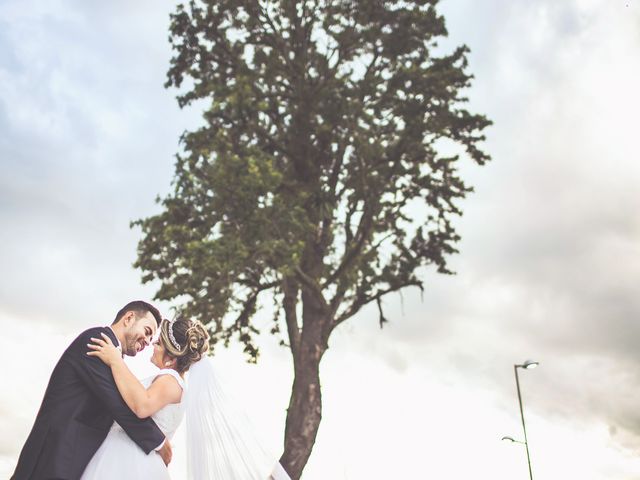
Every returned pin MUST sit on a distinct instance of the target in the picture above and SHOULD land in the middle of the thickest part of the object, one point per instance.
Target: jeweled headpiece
(171, 337)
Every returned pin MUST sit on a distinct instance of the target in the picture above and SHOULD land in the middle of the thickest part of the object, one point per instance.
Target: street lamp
(528, 365)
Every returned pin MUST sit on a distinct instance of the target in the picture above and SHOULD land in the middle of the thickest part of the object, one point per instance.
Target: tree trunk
(303, 417)
(305, 407)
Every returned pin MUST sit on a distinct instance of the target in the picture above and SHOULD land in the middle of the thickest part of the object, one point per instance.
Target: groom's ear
(128, 318)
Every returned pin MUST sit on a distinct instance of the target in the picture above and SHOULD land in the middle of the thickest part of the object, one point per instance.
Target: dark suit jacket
(79, 406)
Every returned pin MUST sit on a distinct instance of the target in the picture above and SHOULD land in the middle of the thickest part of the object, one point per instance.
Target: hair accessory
(171, 337)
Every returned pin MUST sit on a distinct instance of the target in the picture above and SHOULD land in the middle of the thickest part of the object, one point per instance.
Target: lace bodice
(169, 417)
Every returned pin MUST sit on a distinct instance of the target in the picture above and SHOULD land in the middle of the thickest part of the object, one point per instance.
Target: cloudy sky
(549, 262)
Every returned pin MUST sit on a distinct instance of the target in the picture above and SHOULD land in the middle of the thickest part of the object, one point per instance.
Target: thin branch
(276, 34)
(383, 319)
(258, 287)
(362, 234)
(361, 301)
(250, 302)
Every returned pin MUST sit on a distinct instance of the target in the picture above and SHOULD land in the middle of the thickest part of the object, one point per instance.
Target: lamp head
(529, 364)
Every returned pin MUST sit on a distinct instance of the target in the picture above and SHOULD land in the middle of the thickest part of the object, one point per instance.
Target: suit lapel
(112, 335)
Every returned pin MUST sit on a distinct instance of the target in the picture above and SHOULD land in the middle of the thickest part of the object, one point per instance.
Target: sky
(548, 265)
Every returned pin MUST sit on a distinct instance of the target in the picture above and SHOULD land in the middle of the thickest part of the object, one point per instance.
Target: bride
(220, 445)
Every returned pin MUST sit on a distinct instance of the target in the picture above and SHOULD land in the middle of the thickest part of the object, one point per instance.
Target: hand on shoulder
(104, 349)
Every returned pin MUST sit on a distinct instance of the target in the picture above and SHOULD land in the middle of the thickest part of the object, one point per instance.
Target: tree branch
(313, 287)
(361, 236)
(363, 300)
(289, 304)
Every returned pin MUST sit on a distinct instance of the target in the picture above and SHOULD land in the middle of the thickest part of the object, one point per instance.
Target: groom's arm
(98, 378)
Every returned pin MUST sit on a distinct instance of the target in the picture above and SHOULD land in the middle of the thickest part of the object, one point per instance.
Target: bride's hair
(186, 340)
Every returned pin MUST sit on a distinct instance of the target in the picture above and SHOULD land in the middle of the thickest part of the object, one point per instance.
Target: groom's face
(139, 330)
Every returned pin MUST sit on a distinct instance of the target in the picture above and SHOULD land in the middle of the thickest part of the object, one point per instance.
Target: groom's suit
(79, 406)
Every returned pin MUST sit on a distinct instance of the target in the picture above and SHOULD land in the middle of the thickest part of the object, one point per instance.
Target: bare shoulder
(167, 386)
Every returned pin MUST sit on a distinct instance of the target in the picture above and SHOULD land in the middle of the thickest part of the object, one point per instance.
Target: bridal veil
(221, 444)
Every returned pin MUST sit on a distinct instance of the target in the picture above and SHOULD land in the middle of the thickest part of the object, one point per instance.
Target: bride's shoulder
(165, 388)
(169, 373)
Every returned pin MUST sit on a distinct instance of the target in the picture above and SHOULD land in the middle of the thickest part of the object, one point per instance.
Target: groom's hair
(139, 307)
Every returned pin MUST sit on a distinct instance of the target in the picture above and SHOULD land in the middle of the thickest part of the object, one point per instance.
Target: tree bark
(305, 406)
(303, 417)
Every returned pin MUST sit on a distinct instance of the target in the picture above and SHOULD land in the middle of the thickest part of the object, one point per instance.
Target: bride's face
(158, 353)
(159, 356)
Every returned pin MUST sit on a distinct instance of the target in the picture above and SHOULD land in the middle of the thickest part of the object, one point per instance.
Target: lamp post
(529, 364)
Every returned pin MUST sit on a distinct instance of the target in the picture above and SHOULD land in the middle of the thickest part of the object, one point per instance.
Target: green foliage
(319, 146)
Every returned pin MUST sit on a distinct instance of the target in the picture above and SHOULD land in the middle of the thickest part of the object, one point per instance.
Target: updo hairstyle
(189, 343)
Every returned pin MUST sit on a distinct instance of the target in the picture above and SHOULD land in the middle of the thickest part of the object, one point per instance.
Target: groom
(82, 401)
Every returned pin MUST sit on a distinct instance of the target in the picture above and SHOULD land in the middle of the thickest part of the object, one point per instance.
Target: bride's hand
(105, 350)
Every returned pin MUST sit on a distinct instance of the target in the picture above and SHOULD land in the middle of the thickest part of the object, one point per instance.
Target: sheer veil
(221, 444)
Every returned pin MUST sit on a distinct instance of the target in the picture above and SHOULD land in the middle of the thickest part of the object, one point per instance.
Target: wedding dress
(221, 443)
(120, 458)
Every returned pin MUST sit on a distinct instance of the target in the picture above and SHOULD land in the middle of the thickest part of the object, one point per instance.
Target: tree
(316, 177)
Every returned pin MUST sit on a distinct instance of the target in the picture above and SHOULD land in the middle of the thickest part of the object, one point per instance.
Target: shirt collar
(117, 343)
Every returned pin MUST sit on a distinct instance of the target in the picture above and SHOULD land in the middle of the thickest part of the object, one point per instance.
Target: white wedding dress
(120, 458)
(221, 443)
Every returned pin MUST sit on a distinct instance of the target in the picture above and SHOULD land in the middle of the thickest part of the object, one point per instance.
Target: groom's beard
(132, 346)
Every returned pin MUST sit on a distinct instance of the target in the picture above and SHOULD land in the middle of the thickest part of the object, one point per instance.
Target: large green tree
(318, 177)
